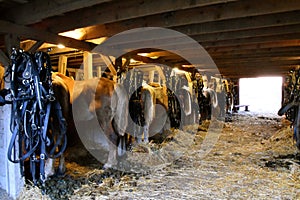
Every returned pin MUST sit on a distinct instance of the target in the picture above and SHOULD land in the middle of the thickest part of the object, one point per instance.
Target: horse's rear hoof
(60, 173)
(107, 166)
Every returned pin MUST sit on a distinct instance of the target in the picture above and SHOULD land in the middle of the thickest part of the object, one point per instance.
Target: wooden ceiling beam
(242, 24)
(239, 52)
(197, 27)
(245, 41)
(238, 58)
(267, 45)
(253, 74)
(273, 64)
(250, 69)
(36, 11)
(135, 41)
(258, 62)
(36, 34)
(247, 54)
(278, 60)
(120, 10)
(164, 12)
(280, 32)
(282, 51)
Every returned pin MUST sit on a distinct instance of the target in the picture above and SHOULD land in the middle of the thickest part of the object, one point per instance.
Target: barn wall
(10, 177)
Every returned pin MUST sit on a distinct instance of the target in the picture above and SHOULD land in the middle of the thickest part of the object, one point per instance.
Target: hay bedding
(254, 158)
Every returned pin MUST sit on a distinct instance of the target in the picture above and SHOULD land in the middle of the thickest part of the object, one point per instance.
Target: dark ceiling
(245, 38)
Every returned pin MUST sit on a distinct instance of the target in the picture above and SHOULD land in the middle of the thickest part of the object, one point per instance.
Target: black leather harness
(33, 107)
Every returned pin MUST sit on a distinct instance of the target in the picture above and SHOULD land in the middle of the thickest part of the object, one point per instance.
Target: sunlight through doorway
(263, 94)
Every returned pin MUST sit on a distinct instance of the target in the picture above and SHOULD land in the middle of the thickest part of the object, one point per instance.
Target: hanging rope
(33, 107)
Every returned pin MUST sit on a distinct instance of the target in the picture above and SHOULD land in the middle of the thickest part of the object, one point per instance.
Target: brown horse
(99, 109)
(2, 71)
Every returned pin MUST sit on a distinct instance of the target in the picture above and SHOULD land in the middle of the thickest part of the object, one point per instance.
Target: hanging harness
(33, 109)
(291, 108)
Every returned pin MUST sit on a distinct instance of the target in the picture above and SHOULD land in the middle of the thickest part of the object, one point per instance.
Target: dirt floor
(253, 157)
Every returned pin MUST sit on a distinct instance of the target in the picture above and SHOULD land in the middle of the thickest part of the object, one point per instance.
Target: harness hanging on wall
(32, 100)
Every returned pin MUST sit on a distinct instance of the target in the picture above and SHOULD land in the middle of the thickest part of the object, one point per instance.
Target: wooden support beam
(266, 45)
(266, 53)
(197, 27)
(239, 52)
(36, 34)
(5, 61)
(87, 65)
(109, 63)
(11, 41)
(62, 64)
(268, 33)
(107, 13)
(252, 40)
(185, 17)
(99, 71)
(36, 46)
(238, 24)
(150, 60)
(36, 11)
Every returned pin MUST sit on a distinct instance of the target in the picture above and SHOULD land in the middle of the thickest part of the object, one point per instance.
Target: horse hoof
(107, 166)
(60, 173)
(146, 141)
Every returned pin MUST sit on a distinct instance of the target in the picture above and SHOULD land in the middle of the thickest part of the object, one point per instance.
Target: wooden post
(87, 65)
(62, 64)
(11, 41)
(4, 59)
(109, 63)
(99, 71)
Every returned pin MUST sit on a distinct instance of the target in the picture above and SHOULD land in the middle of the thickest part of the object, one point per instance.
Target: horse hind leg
(112, 157)
(62, 166)
(146, 133)
(122, 145)
(139, 135)
(49, 167)
(112, 148)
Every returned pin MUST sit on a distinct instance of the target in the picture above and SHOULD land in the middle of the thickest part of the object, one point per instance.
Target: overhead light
(61, 46)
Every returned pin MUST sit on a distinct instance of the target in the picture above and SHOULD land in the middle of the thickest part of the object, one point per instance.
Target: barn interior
(226, 39)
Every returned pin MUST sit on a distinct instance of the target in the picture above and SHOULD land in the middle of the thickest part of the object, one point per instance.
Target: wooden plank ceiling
(245, 38)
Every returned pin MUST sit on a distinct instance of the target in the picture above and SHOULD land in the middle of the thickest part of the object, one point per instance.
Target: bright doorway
(263, 94)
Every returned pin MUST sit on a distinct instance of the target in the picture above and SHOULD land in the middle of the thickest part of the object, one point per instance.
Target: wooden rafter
(36, 34)
(163, 13)
(40, 10)
(197, 26)
(245, 37)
